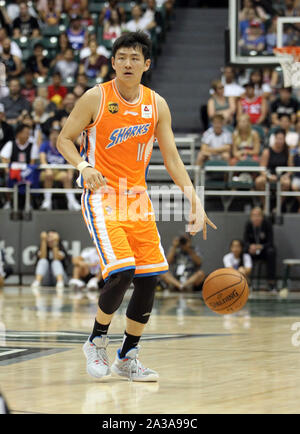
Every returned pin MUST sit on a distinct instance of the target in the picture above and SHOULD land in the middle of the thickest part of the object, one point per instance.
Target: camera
(182, 241)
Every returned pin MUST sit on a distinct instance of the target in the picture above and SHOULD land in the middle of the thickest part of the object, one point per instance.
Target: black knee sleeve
(142, 299)
(113, 291)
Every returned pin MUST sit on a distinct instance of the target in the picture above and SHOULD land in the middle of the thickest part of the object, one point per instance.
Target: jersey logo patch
(146, 111)
(120, 135)
(113, 107)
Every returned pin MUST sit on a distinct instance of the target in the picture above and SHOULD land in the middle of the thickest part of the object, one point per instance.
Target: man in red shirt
(56, 88)
(254, 106)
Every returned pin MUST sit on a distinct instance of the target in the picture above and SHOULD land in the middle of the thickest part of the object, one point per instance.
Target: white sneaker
(46, 205)
(76, 287)
(7, 205)
(130, 367)
(60, 287)
(35, 286)
(74, 206)
(97, 358)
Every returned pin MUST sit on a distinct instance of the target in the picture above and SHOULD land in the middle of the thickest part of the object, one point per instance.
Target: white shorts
(296, 183)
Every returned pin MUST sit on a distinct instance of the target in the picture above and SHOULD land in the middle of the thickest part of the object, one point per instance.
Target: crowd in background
(51, 52)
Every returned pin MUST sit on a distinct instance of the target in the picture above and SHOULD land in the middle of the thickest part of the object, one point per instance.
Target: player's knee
(141, 303)
(113, 291)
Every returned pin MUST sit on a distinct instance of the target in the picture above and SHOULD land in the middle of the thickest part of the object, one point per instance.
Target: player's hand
(175, 242)
(198, 222)
(93, 179)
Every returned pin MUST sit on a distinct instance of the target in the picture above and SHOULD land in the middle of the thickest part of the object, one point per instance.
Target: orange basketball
(225, 291)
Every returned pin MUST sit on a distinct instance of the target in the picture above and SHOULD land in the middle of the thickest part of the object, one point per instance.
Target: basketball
(225, 291)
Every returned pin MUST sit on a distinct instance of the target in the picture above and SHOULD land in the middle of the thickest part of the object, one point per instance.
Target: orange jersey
(119, 143)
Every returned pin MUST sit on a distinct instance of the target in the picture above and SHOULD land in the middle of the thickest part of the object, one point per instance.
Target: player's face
(130, 64)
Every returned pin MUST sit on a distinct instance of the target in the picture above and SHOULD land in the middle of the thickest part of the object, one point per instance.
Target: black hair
(20, 128)
(241, 263)
(134, 39)
(260, 72)
(286, 148)
(280, 131)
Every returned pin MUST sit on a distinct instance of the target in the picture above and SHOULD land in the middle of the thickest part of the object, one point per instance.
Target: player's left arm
(175, 167)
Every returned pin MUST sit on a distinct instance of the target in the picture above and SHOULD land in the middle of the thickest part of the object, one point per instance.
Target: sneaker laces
(97, 355)
(135, 367)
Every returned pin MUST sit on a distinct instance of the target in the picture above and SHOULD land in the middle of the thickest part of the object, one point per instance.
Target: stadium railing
(279, 192)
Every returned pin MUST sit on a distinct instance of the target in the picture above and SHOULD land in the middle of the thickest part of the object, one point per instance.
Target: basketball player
(120, 119)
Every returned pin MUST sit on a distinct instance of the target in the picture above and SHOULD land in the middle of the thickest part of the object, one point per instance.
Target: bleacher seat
(245, 184)
(51, 31)
(215, 181)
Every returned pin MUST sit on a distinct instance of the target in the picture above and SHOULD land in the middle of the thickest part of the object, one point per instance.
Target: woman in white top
(237, 259)
(260, 88)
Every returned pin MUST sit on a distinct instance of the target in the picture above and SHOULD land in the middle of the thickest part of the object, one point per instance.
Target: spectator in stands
(86, 274)
(296, 176)
(231, 87)
(50, 155)
(112, 27)
(13, 64)
(245, 24)
(56, 91)
(220, 104)
(6, 130)
(52, 262)
(290, 9)
(106, 12)
(271, 36)
(258, 241)
(63, 45)
(77, 34)
(82, 80)
(39, 114)
(96, 65)
(216, 142)
(38, 63)
(78, 91)
(75, 7)
(25, 24)
(13, 9)
(35, 129)
(246, 141)
(138, 22)
(255, 106)
(4, 19)
(260, 88)
(285, 104)
(86, 51)
(253, 40)
(272, 157)
(185, 261)
(256, 6)
(14, 103)
(50, 11)
(291, 136)
(67, 106)
(15, 50)
(67, 67)
(29, 91)
(237, 259)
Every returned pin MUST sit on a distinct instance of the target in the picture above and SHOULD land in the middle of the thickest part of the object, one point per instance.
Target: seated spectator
(249, 5)
(5, 269)
(254, 106)
(86, 274)
(13, 9)
(272, 157)
(82, 80)
(216, 142)
(67, 67)
(86, 51)
(138, 22)
(220, 104)
(94, 66)
(39, 114)
(112, 27)
(21, 149)
(29, 90)
(25, 24)
(253, 40)
(260, 88)
(271, 36)
(15, 50)
(78, 91)
(56, 92)
(13, 64)
(285, 104)
(15, 104)
(77, 34)
(38, 63)
(50, 11)
(291, 136)
(35, 129)
(296, 176)
(77, 7)
(237, 259)
(258, 241)
(50, 155)
(6, 130)
(67, 106)
(185, 261)
(246, 141)
(106, 12)
(52, 262)
(290, 9)
(231, 87)
(245, 24)
(63, 45)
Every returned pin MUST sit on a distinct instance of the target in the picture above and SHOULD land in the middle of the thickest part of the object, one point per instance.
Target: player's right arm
(82, 115)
